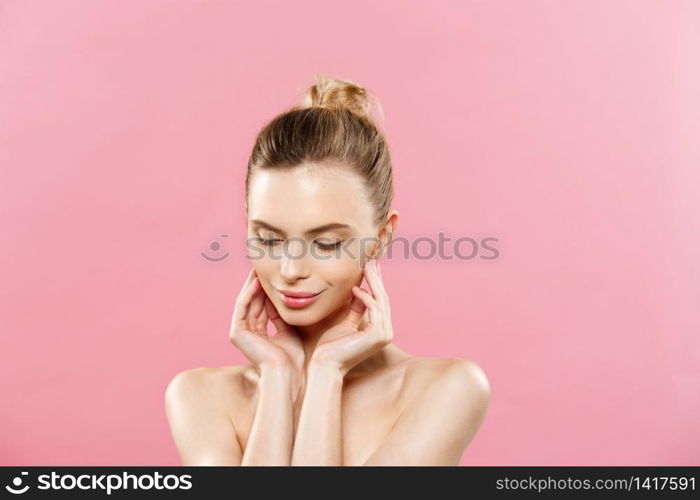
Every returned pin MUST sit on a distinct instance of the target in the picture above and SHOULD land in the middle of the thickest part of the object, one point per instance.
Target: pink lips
(298, 299)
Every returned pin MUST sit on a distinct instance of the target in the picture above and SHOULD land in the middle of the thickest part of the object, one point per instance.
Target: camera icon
(17, 483)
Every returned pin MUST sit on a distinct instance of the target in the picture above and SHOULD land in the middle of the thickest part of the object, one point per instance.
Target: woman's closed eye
(328, 246)
(269, 242)
(322, 245)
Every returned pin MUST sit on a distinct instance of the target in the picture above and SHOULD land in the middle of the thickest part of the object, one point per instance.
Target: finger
(262, 321)
(274, 316)
(256, 306)
(375, 282)
(257, 303)
(247, 282)
(364, 321)
(371, 303)
(356, 311)
(240, 311)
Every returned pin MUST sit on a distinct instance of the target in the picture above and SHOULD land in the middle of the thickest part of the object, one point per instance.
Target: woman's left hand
(349, 342)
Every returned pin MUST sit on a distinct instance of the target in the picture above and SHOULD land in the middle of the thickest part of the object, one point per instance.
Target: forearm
(318, 439)
(272, 433)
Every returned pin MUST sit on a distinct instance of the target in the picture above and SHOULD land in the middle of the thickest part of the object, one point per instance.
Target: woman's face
(285, 207)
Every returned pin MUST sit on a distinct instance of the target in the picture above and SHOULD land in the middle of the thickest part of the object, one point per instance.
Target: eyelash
(323, 246)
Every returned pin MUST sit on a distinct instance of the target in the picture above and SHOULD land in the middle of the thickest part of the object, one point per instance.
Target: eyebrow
(316, 230)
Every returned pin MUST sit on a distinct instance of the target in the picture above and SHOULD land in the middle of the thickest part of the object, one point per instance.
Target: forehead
(296, 199)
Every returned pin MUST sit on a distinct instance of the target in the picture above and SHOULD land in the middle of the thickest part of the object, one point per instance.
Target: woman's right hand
(248, 331)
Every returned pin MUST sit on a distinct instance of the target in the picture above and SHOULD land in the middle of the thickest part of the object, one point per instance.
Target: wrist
(276, 370)
(279, 379)
(326, 366)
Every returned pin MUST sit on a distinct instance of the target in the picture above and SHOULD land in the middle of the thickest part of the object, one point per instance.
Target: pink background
(568, 130)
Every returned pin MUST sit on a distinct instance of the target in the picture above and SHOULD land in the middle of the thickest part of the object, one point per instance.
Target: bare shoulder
(445, 402)
(456, 379)
(197, 406)
(201, 375)
(213, 386)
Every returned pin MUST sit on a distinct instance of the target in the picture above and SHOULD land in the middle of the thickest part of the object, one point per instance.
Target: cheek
(263, 267)
(266, 271)
(341, 273)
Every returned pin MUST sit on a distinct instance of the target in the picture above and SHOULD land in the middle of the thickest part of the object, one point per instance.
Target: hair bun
(329, 92)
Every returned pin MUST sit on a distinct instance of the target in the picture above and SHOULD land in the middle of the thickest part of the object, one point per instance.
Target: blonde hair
(333, 123)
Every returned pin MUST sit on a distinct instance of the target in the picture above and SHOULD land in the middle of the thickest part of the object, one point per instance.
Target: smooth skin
(329, 387)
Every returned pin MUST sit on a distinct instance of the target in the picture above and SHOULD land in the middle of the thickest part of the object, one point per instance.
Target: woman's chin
(298, 317)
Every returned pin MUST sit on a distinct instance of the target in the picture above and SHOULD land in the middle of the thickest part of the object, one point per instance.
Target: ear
(387, 232)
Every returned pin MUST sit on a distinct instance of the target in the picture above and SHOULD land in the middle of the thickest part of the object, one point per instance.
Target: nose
(294, 260)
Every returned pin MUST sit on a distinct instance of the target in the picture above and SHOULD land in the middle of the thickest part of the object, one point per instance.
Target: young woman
(328, 386)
